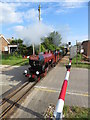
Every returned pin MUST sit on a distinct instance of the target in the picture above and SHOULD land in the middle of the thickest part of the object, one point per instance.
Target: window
(5, 48)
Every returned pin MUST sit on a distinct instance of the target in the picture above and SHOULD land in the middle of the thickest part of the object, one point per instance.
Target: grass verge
(76, 112)
(13, 60)
(80, 63)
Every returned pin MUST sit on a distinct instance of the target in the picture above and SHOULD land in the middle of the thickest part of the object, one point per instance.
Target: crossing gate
(60, 104)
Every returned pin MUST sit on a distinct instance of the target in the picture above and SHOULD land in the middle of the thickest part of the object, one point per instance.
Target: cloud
(64, 6)
(65, 31)
(74, 3)
(76, 0)
(33, 33)
(68, 36)
(8, 14)
(32, 15)
(79, 38)
(44, 0)
(61, 11)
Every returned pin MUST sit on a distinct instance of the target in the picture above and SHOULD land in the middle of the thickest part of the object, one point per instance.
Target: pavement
(46, 92)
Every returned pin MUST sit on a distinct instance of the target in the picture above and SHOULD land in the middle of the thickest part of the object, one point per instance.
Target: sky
(19, 19)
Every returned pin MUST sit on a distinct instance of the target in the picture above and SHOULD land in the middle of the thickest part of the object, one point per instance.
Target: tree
(22, 48)
(55, 38)
(52, 41)
(16, 42)
(29, 50)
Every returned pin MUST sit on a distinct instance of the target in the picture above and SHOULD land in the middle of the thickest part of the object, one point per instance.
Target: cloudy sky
(19, 18)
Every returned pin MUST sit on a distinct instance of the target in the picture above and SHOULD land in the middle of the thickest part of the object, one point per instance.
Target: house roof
(85, 41)
(1, 36)
(9, 40)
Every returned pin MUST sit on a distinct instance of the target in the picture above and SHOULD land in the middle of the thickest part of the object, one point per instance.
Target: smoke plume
(33, 33)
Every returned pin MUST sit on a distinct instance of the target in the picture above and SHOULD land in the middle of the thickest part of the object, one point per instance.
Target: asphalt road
(47, 90)
(11, 77)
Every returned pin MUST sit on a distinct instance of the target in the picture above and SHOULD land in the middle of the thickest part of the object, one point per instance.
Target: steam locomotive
(40, 64)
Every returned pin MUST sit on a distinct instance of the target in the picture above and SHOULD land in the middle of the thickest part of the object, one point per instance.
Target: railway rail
(12, 93)
(11, 100)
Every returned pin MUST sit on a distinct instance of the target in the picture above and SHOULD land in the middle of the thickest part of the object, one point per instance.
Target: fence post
(60, 104)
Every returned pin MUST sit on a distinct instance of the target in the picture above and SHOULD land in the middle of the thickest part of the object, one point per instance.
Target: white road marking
(8, 83)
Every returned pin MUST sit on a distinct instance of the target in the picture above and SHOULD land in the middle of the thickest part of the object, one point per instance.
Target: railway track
(12, 99)
(12, 93)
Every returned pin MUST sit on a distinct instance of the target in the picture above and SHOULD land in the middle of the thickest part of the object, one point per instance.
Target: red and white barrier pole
(60, 104)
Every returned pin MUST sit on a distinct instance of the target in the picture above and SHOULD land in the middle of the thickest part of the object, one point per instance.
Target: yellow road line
(46, 90)
(79, 94)
(54, 91)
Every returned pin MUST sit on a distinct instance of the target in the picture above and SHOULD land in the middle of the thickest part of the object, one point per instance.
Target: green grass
(13, 60)
(79, 63)
(76, 112)
(69, 112)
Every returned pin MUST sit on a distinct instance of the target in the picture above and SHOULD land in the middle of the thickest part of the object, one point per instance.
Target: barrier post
(58, 113)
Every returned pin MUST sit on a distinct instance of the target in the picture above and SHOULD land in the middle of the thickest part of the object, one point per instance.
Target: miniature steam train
(40, 64)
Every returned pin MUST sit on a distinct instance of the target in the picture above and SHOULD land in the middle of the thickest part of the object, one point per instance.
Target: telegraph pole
(39, 10)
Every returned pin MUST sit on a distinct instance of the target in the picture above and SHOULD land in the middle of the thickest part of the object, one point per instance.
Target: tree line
(50, 42)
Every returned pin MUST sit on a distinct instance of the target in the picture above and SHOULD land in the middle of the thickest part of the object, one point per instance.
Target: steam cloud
(33, 33)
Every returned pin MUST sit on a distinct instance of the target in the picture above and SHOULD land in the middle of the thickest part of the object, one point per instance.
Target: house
(79, 46)
(5, 46)
(86, 47)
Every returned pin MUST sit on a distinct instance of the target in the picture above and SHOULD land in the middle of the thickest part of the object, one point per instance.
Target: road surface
(47, 91)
